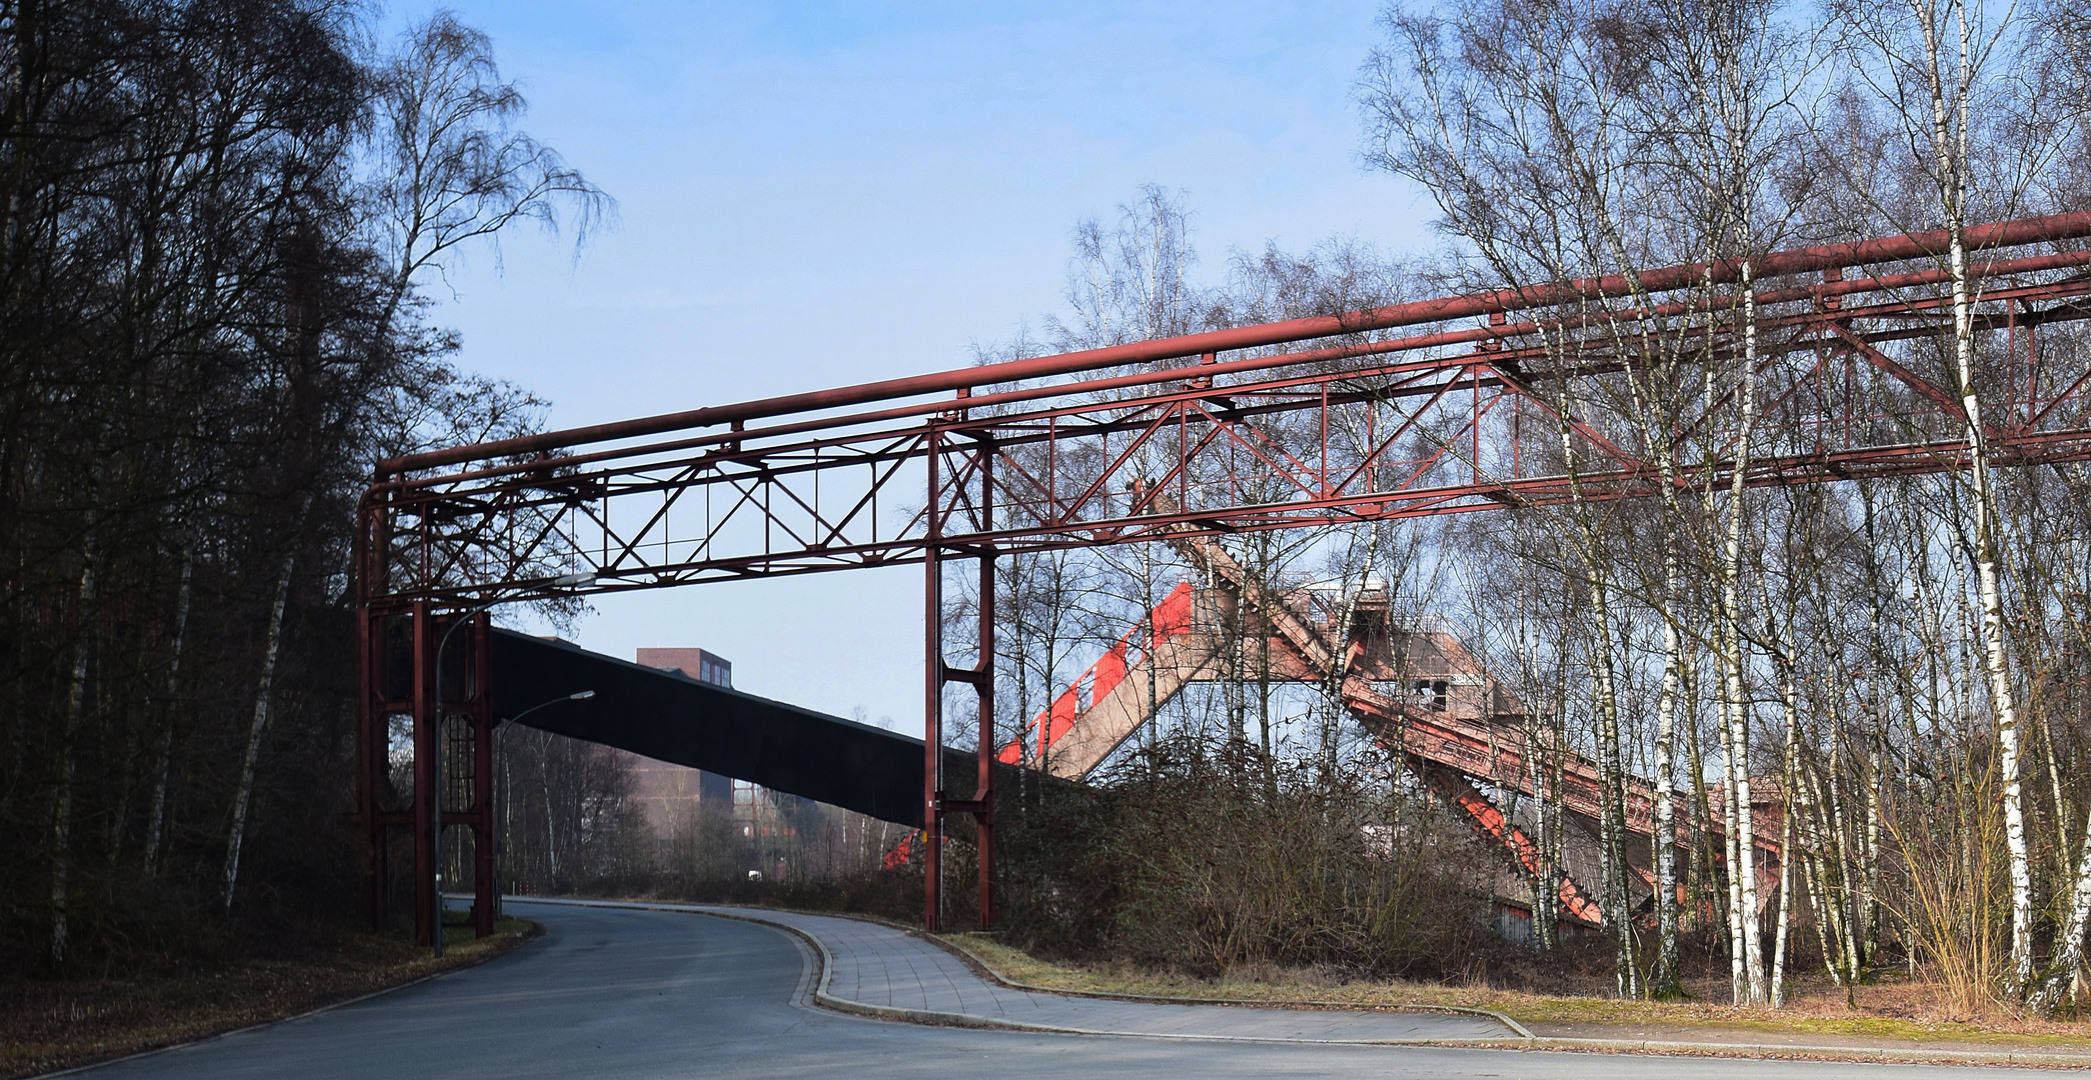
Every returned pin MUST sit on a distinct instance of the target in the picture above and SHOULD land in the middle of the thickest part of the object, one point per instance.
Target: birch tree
(1942, 69)
(205, 346)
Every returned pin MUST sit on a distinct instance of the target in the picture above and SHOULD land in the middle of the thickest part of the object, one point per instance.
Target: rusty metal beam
(1727, 271)
(1077, 450)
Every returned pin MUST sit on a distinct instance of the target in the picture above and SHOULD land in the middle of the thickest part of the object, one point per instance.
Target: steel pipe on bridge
(1407, 410)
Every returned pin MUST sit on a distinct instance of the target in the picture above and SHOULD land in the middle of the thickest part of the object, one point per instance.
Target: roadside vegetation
(220, 222)
(1895, 662)
(48, 1024)
(1890, 671)
(1891, 1009)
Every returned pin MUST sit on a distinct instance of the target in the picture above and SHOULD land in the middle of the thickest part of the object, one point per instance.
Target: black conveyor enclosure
(670, 717)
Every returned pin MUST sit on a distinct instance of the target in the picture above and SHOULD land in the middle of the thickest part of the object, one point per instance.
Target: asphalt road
(625, 993)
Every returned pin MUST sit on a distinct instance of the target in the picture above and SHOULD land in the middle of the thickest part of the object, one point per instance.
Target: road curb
(820, 996)
(826, 962)
(1530, 1041)
(823, 962)
(1883, 1055)
(987, 970)
(1527, 1041)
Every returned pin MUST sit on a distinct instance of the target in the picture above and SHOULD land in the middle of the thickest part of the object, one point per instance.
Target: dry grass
(47, 1025)
(1894, 1011)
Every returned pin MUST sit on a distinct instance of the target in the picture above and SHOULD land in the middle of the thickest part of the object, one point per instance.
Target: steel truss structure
(1531, 396)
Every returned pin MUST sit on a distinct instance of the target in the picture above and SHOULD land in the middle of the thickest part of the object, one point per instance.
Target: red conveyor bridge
(1399, 411)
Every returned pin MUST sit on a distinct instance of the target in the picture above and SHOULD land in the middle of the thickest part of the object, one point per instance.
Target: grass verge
(1890, 1014)
(46, 1025)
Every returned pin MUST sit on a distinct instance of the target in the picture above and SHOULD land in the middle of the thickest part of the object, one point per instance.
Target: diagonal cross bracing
(1255, 428)
(802, 475)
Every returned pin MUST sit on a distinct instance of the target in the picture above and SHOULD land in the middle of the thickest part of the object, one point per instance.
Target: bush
(1215, 862)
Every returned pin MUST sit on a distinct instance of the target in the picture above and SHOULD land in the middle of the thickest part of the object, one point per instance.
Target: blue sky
(819, 194)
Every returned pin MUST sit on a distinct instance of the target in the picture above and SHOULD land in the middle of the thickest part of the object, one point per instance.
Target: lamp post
(501, 819)
(436, 797)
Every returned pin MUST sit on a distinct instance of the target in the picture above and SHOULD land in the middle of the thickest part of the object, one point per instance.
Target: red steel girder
(1073, 438)
(1931, 245)
(496, 525)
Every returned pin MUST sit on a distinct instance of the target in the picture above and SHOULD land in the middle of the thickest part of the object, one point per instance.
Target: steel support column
(937, 798)
(460, 759)
(984, 689)
(371, 752)
(818, 475)
(933, 705)
(984, 686)
(481, 815)
(374, 711)
(428, 731)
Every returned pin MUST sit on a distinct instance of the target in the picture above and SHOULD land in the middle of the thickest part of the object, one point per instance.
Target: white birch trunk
(1615, 898)
(1840, 840)
(2069, 948)
(1699, 864)
(1545, 917)
(1664, 839)
(1808, 832)
(1993, 652)
(1620, 895)
(544, 787)
(1738, 959)
(62, 808)
(1869, 902)
(238, 832)
(156, 827)
(1743, 871)
(1789, 696)
(1951, 159)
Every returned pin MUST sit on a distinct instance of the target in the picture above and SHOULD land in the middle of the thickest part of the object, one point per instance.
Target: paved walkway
(879, 968)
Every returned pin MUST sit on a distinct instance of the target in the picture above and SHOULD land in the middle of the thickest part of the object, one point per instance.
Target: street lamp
(581, 578)
(583, 695)
(501, 824)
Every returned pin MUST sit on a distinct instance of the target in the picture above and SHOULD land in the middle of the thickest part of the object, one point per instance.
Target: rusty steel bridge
(1408, 410)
